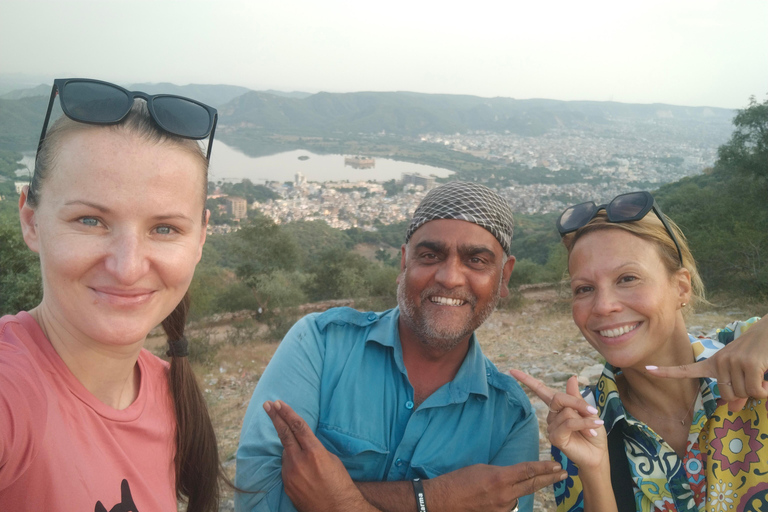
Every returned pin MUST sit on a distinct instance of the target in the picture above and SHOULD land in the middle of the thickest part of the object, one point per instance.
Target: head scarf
(470, 202)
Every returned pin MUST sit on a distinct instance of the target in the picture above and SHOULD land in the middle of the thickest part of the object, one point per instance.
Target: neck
(108, 372)
(657, 395)
(428, 366)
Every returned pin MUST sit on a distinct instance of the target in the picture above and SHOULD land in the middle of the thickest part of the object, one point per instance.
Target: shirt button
(399, 462)
(409, 405)
(371, 316)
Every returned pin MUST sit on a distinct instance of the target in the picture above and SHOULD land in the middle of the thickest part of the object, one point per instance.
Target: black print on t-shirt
(126, 501)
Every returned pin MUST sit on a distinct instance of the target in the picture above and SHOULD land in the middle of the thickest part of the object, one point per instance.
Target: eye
(165, 230)
(89, 221)
(580, 290)
(627, 279)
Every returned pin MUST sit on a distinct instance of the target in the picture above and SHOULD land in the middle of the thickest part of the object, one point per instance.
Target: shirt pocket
(364, 459)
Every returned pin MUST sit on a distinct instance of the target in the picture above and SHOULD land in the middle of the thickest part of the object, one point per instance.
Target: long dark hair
(198, 468)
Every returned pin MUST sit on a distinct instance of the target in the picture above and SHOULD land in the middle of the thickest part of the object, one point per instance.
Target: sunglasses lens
(576, 216)
(629, 207)
(182, 117)
(92, 102)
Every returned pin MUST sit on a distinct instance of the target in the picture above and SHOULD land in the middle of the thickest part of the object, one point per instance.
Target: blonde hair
(651, 229)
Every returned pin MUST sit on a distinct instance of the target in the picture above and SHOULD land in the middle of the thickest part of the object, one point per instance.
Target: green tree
(747, 151)
(20, 279)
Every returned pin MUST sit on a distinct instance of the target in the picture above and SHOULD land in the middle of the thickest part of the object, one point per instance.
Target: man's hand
(485, 488)
(314, 479)
(739, 367)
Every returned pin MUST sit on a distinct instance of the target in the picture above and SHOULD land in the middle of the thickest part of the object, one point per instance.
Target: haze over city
(696, 53)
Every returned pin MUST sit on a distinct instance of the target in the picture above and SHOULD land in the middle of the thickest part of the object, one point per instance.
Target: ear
(28, 218)
(684, 288)
(506, 274)
(403, 256)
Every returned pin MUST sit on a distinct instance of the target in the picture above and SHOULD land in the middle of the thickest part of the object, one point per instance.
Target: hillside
(407, 113)
(249, 118)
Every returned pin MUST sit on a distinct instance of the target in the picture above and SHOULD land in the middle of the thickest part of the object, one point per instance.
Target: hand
(486, 488)
(572, 424)
(314, 479)
(739, 367)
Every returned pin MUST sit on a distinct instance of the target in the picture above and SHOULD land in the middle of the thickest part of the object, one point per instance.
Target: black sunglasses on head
(96, 102)
(623, 208)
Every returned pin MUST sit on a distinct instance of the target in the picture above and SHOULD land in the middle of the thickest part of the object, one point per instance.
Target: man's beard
(428, 330)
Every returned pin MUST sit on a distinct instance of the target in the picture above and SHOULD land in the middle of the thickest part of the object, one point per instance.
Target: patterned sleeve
(569, 494)
(733, 330)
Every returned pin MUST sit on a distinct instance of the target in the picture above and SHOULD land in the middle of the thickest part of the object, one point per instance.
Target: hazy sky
(684, 52)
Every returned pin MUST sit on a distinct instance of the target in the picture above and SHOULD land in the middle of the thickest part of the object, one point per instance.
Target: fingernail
(557, 468)
(591, 410)
(278, 405)
(599, 422)
(267, 406)
(651, 367)
(563, 475)
(593, 432)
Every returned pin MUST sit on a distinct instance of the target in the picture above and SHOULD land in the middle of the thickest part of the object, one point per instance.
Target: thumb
(737, 405)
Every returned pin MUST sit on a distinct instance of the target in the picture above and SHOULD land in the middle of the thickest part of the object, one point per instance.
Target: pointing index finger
(685, 371)
(544, 392)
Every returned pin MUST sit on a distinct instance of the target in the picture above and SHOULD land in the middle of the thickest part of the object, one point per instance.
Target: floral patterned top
(726, 464)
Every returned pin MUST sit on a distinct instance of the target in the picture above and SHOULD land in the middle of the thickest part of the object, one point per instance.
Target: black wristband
(418, 490)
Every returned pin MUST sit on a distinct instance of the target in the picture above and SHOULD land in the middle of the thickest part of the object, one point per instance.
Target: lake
(229, 164)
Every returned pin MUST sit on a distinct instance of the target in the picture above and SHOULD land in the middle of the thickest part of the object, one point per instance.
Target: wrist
(418, 491)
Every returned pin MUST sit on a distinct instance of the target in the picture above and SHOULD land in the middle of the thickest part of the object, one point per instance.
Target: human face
(119, 231)
(452, 275)
(625, 302)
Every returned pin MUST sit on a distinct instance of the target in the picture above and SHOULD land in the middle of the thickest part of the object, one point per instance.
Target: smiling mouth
(614, 333)
(446, 301)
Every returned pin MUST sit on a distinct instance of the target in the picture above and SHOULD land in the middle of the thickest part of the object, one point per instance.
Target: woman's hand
(314, 479)
(739, 367)
(572, 424)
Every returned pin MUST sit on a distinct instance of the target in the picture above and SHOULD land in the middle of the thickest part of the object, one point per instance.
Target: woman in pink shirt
(89, 419)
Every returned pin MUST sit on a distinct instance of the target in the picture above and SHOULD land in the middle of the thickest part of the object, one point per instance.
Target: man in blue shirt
(405, 399)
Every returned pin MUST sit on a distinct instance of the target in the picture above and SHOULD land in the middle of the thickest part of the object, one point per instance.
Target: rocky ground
(534, 334)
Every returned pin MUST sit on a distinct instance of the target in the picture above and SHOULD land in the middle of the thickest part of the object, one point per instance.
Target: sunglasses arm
(54, 92)
(210, 139)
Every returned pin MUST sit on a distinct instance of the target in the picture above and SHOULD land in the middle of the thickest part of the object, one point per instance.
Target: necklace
(682, 420)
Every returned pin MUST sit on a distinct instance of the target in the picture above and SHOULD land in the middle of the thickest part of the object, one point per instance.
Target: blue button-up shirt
(343, 372)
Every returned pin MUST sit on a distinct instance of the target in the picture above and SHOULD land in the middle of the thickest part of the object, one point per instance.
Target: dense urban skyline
(685, 52)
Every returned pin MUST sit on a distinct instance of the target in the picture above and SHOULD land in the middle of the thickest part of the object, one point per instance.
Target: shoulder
(346, 317)
(25, 394)
(339, 323)
(20, 359)
(506, 385)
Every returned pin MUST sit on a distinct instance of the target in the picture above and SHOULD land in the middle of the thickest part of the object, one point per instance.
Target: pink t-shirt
(62, 449)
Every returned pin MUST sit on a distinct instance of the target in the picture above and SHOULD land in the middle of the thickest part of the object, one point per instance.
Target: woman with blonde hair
(639, 440)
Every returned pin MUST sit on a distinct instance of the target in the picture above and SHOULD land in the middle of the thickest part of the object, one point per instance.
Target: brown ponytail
(198, 469)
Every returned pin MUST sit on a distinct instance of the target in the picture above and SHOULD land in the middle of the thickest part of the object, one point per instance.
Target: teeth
(612, 333)
(445, 301)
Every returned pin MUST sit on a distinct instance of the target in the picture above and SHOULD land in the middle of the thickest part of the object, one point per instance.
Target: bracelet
(517, 507)
(418, 490)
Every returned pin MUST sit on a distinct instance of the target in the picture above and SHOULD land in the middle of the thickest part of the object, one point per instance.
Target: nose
(450, 273)
(606, 301)
(127, 257)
